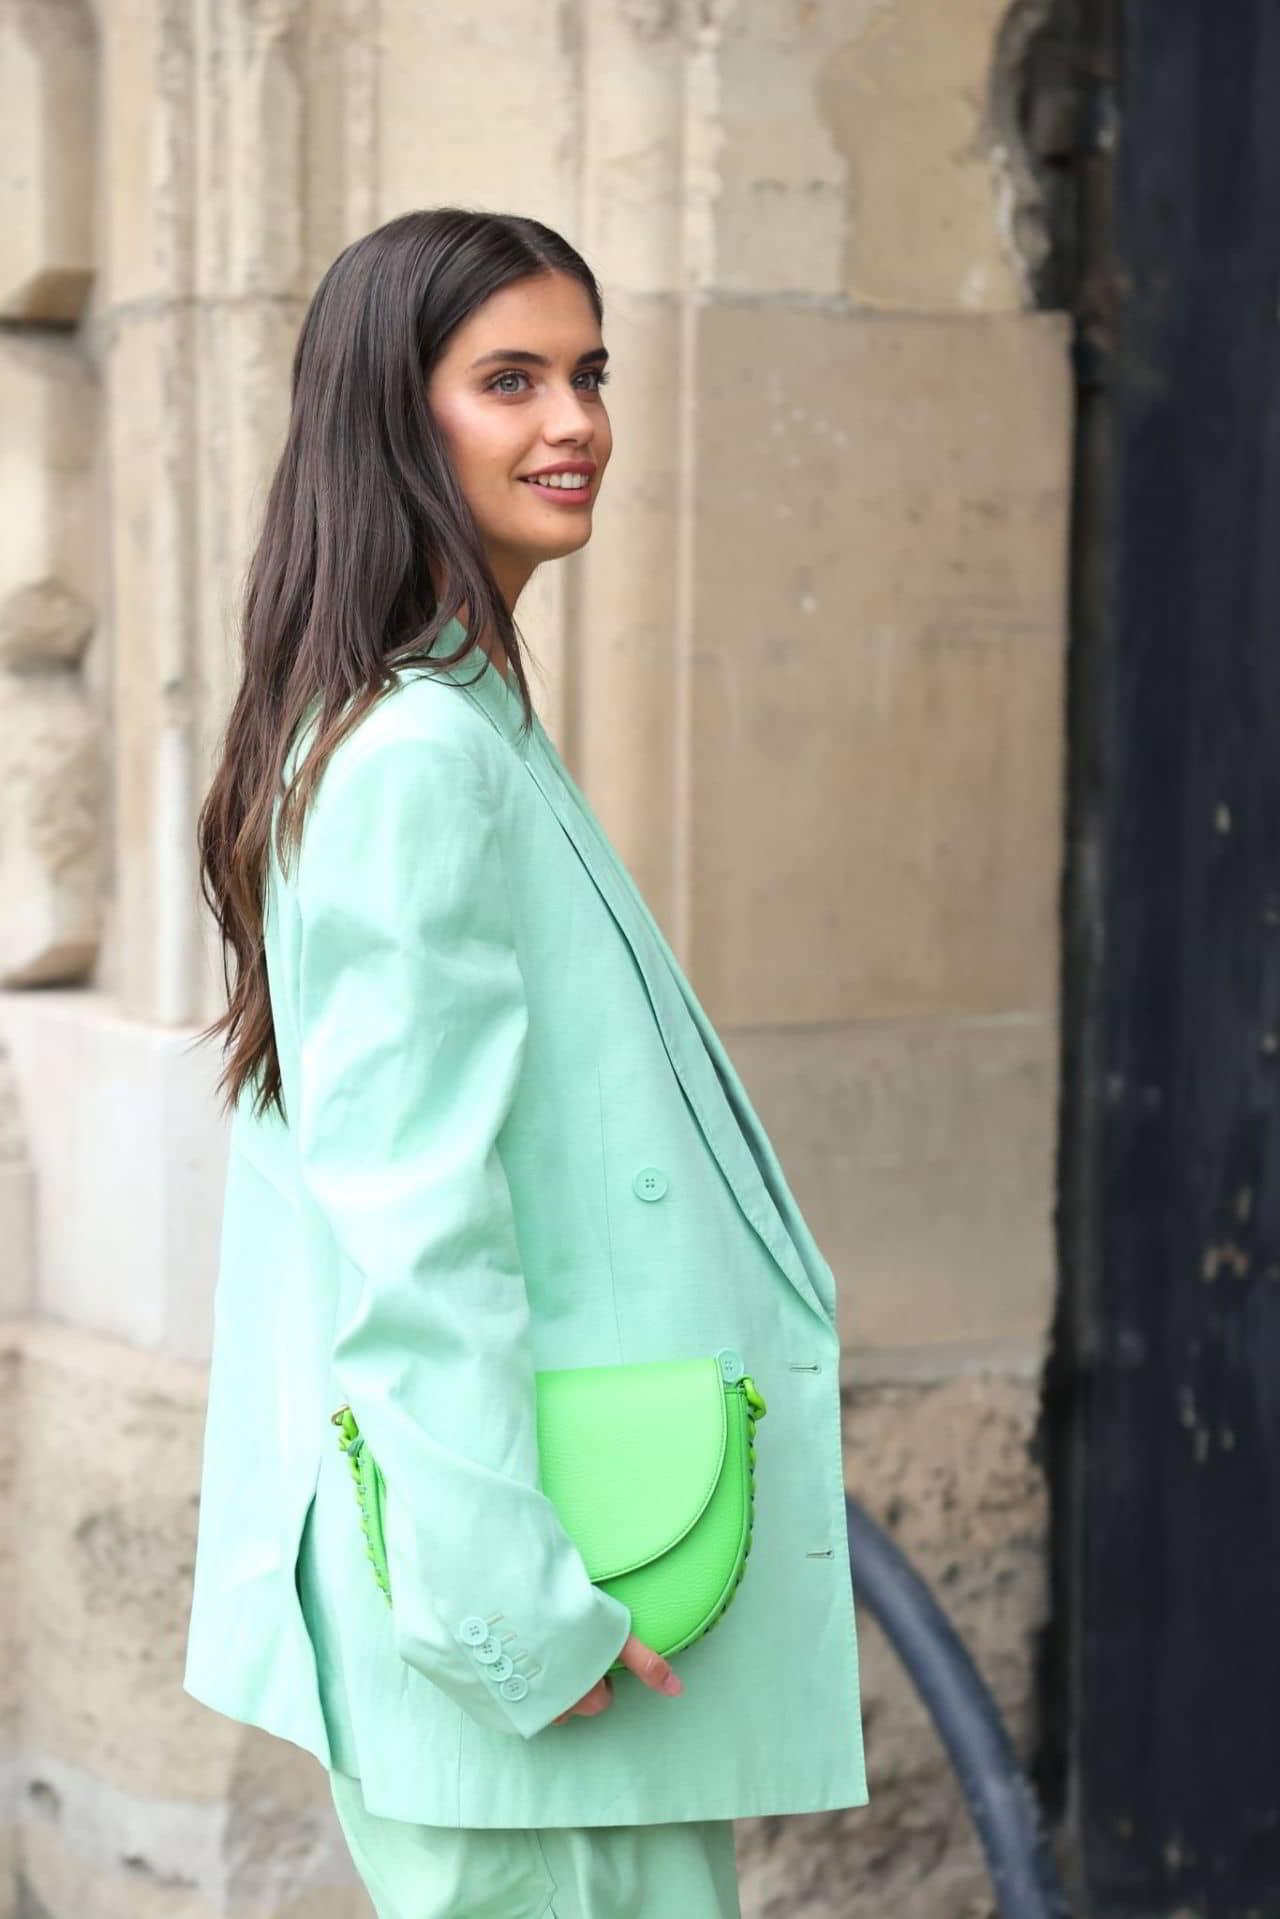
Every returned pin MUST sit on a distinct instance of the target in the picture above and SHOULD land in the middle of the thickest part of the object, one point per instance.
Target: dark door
(1164, 1408)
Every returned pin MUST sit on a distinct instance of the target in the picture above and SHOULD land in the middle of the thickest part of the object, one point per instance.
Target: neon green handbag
(651, 1468)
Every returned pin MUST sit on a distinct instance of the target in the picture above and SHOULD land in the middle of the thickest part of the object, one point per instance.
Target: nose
(568, 416)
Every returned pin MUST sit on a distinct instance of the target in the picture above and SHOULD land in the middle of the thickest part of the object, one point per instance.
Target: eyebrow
(595, 357)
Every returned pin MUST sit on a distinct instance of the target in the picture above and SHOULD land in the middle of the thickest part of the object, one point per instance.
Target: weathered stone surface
(146, 90)
(47, 50)
(947, 1469)
(17, 1217)
(875, 805)
(620, 737)
(51, 780)
(769, 181)
(846, 149)
(904, 96)
(110, 1460)
(48, 431)
(57, 1880)
(129, 1144)
(869, 1116)
(436, 157)
(635, 200)
(11, 1655)
(51, 790)
(205, 279)
(132, 1798)
(342, 121)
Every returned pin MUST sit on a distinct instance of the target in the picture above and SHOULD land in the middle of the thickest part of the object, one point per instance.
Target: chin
(557, 548)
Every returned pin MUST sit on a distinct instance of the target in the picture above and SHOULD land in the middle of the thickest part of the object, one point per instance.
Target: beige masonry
(809, 671)
(51, 845)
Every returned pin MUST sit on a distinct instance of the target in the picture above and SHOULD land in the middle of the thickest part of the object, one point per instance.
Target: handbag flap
(630, 1455)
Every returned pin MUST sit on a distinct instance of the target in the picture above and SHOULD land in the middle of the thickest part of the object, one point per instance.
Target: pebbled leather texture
(651, 1469)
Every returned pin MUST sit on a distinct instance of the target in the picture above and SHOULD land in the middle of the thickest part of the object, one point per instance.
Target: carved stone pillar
(51, 819)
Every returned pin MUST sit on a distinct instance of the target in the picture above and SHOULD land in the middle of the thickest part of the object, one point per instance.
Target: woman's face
(516, 394)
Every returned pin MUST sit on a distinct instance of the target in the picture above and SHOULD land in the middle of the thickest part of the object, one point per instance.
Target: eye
(510, 374)
(596, 375)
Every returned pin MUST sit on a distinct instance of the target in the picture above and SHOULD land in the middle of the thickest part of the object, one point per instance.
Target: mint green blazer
(513, 1141)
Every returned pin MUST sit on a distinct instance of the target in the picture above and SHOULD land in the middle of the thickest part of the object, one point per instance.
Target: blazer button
(650, 1182)
(473, 1631)
(498, 1668)
(514, 1687)
(731, 1366)
(487, 1651)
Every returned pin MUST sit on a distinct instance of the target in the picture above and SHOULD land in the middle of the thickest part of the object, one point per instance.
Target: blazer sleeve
(413, 1023)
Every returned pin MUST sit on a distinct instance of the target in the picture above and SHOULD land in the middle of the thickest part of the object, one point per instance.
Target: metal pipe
(1001, 1803)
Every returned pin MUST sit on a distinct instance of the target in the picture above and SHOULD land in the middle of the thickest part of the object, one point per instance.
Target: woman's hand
(640, 1659)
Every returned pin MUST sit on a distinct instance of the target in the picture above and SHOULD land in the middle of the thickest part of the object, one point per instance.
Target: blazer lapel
(701, 1065)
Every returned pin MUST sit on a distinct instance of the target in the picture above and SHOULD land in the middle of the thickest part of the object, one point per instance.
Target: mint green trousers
(682, 1871)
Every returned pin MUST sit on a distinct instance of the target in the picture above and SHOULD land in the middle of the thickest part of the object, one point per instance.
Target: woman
(480, 1126)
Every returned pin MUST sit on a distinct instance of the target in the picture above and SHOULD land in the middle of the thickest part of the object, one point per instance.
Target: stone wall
(809, 670)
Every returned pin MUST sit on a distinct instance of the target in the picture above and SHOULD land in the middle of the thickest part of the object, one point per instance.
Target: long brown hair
(367, 551)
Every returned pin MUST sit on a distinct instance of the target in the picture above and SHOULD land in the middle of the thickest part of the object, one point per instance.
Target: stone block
(341, 129)
(11, 1625)
(129, 1147)
(253, 75)
(635, 173)
(845, 150)
(47, 110)
(239, 395)
(110, 1461)
(133, 1799)
(152, 513)
(51, 787)
(48, 434)
(147, 95)
(905, 96)
(623, 730)
(17, 1205)
(17, 1236)
(922, 1154)
(767, 181)
(191, 455)
(444, 73)
(224, 215)
(119, 1861)
(51, 778)
(878, 665)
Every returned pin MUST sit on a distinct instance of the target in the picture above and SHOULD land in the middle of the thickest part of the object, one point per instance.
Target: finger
(600, 1695)
(650, 1666)
(598, 1698)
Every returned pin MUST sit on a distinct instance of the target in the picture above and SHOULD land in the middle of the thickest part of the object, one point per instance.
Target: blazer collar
(484, 683)
(711, 1085)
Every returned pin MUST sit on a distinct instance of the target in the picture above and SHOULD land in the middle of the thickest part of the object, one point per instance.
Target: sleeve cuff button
(514, 1687)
